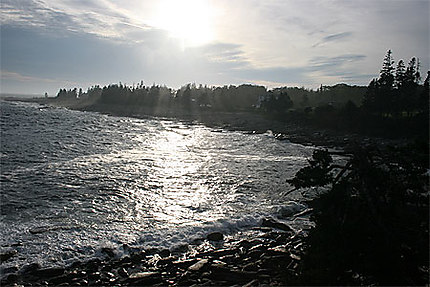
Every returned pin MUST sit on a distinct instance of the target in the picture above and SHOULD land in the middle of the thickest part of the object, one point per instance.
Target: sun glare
(187, 20)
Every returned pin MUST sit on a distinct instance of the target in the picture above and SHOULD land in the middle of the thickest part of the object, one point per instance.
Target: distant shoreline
(245, 121)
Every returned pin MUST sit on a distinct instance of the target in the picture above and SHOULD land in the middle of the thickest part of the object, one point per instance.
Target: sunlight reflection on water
(135, 181)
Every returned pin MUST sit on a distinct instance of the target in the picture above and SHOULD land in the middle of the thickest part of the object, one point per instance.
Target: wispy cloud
(319, 63)
(14, 76)
(333, 38)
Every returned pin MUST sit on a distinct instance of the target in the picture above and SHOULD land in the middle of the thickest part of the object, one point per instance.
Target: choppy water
(73, 182)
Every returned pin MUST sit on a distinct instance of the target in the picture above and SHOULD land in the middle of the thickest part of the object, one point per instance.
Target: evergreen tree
(400, 74)
(412, 74)
(370, 100)
(386, 76)
(424, 99)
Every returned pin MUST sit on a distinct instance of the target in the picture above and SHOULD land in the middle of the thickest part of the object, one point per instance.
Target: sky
(51, 44)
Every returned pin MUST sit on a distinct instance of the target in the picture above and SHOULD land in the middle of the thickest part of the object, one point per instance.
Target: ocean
(73, 183)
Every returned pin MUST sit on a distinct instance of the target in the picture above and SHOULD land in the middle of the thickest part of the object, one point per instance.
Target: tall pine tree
(386, 76)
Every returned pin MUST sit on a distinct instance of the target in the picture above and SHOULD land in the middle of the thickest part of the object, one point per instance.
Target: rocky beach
(271, 258)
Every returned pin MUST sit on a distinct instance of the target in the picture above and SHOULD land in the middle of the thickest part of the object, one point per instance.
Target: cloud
(18, 83)
(321, 63)
(333, 38)
(342, 68)
(7, 75)
(101, 18)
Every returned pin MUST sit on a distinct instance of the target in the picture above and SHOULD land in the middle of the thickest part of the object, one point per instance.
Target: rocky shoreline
(271, 258)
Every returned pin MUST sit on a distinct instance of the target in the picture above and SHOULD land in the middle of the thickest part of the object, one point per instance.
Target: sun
(187, 20)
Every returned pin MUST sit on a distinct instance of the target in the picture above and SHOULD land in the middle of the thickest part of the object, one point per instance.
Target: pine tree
(412, 74)
(386, 76)
(400, 74)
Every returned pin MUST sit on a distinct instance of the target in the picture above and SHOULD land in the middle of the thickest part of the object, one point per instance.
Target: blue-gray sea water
(73, 182)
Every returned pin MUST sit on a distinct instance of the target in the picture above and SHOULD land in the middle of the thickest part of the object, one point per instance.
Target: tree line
(395, 102)
(397, 92)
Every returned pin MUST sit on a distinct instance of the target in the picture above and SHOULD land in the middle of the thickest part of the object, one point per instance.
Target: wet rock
(144, 278)
(167, 261)
(252, 266)
(76, 264)
(7, 270)
(164, 253)
(270, 222)
(282, 238)
(151, 251)
(94, 276)
(9, 279)
(125, 260)
(37, 230)
(295, 257)
(277, 250)
(138, 257)
(30, 268)
(180, 248)
(139, 275)
(234, 276)
(108, 251)
(6, 255)
(305, 212)
(254, 254)
(198, 265)
(245, 243)
(252, 283)
(290, 209)
(184, 264)
(50, 272)
(122, 272)
(93, 265)
(215, 236)
(221, 252)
